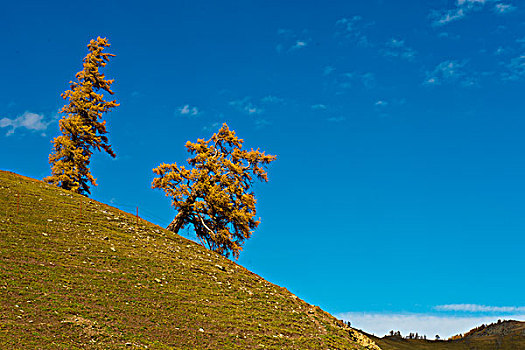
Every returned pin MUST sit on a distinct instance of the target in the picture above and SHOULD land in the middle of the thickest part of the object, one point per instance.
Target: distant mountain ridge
(503, 328)
(503, 335)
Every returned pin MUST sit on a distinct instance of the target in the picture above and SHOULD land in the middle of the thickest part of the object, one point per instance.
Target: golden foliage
(215, 196)
(456, 337)
(82, 127)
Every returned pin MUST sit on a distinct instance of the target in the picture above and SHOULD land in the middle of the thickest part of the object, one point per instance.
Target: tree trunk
(177, 223)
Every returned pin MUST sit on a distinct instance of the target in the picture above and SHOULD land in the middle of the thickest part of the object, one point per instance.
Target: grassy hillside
(75, 273)
(509, 335)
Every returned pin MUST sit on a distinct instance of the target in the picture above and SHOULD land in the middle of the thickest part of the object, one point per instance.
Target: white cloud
(381, 103)
(479, 308)
(515, 69)
(299, 44)
(328, 70)
(319, 106)
(397, 48)
(336, 119)
(448, 72)
(261, 123)
(500, 51)
(272, 99)
(464, 7)
(446, 326)
(246, 106)
(212, 127)
(503, 8)
(28, 120)
(291, 40)
(449, 35)
(471, 3)
(346, 81)
(188, 110)
(353, 29)
(443, 17)
(287, 33)
(368, 80)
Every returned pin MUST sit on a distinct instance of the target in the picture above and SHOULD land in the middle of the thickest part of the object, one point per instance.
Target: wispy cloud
(515, 69)
(336, 119)
(462, 8)
(212, 126)
(448, 35)
(398, 48)
(188, 110)
(28, 120)
(261, 123)
(449, 72)
(272, 99)
(504, 8)
(246, 106)
(440, 18)
(348, 80)
(299, 44)
(289, 40)
(319, 107)
(368, 80)
(287, 33)
(501, 51)
(424, 324)
(353, 29)
(382, 108)
(327, 70)
(480, 308)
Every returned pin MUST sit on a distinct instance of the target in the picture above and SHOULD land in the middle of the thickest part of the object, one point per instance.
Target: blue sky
(397, 199)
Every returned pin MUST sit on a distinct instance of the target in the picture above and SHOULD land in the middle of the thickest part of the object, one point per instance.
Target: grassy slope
(514, 340)
(101, 281)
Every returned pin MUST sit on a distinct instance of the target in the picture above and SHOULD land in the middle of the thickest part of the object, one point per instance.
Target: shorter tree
(216, 195)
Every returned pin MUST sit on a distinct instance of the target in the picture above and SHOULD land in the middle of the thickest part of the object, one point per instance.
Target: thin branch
(200, 239)
(202, 221)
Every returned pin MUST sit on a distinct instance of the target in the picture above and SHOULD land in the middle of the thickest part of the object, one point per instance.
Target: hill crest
(500, 328)
(76, 273)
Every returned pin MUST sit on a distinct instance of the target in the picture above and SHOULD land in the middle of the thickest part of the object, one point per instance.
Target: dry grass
(101, 281)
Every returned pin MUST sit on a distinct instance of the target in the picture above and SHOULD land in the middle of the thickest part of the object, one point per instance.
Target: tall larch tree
(82, 125)
(215, 196)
